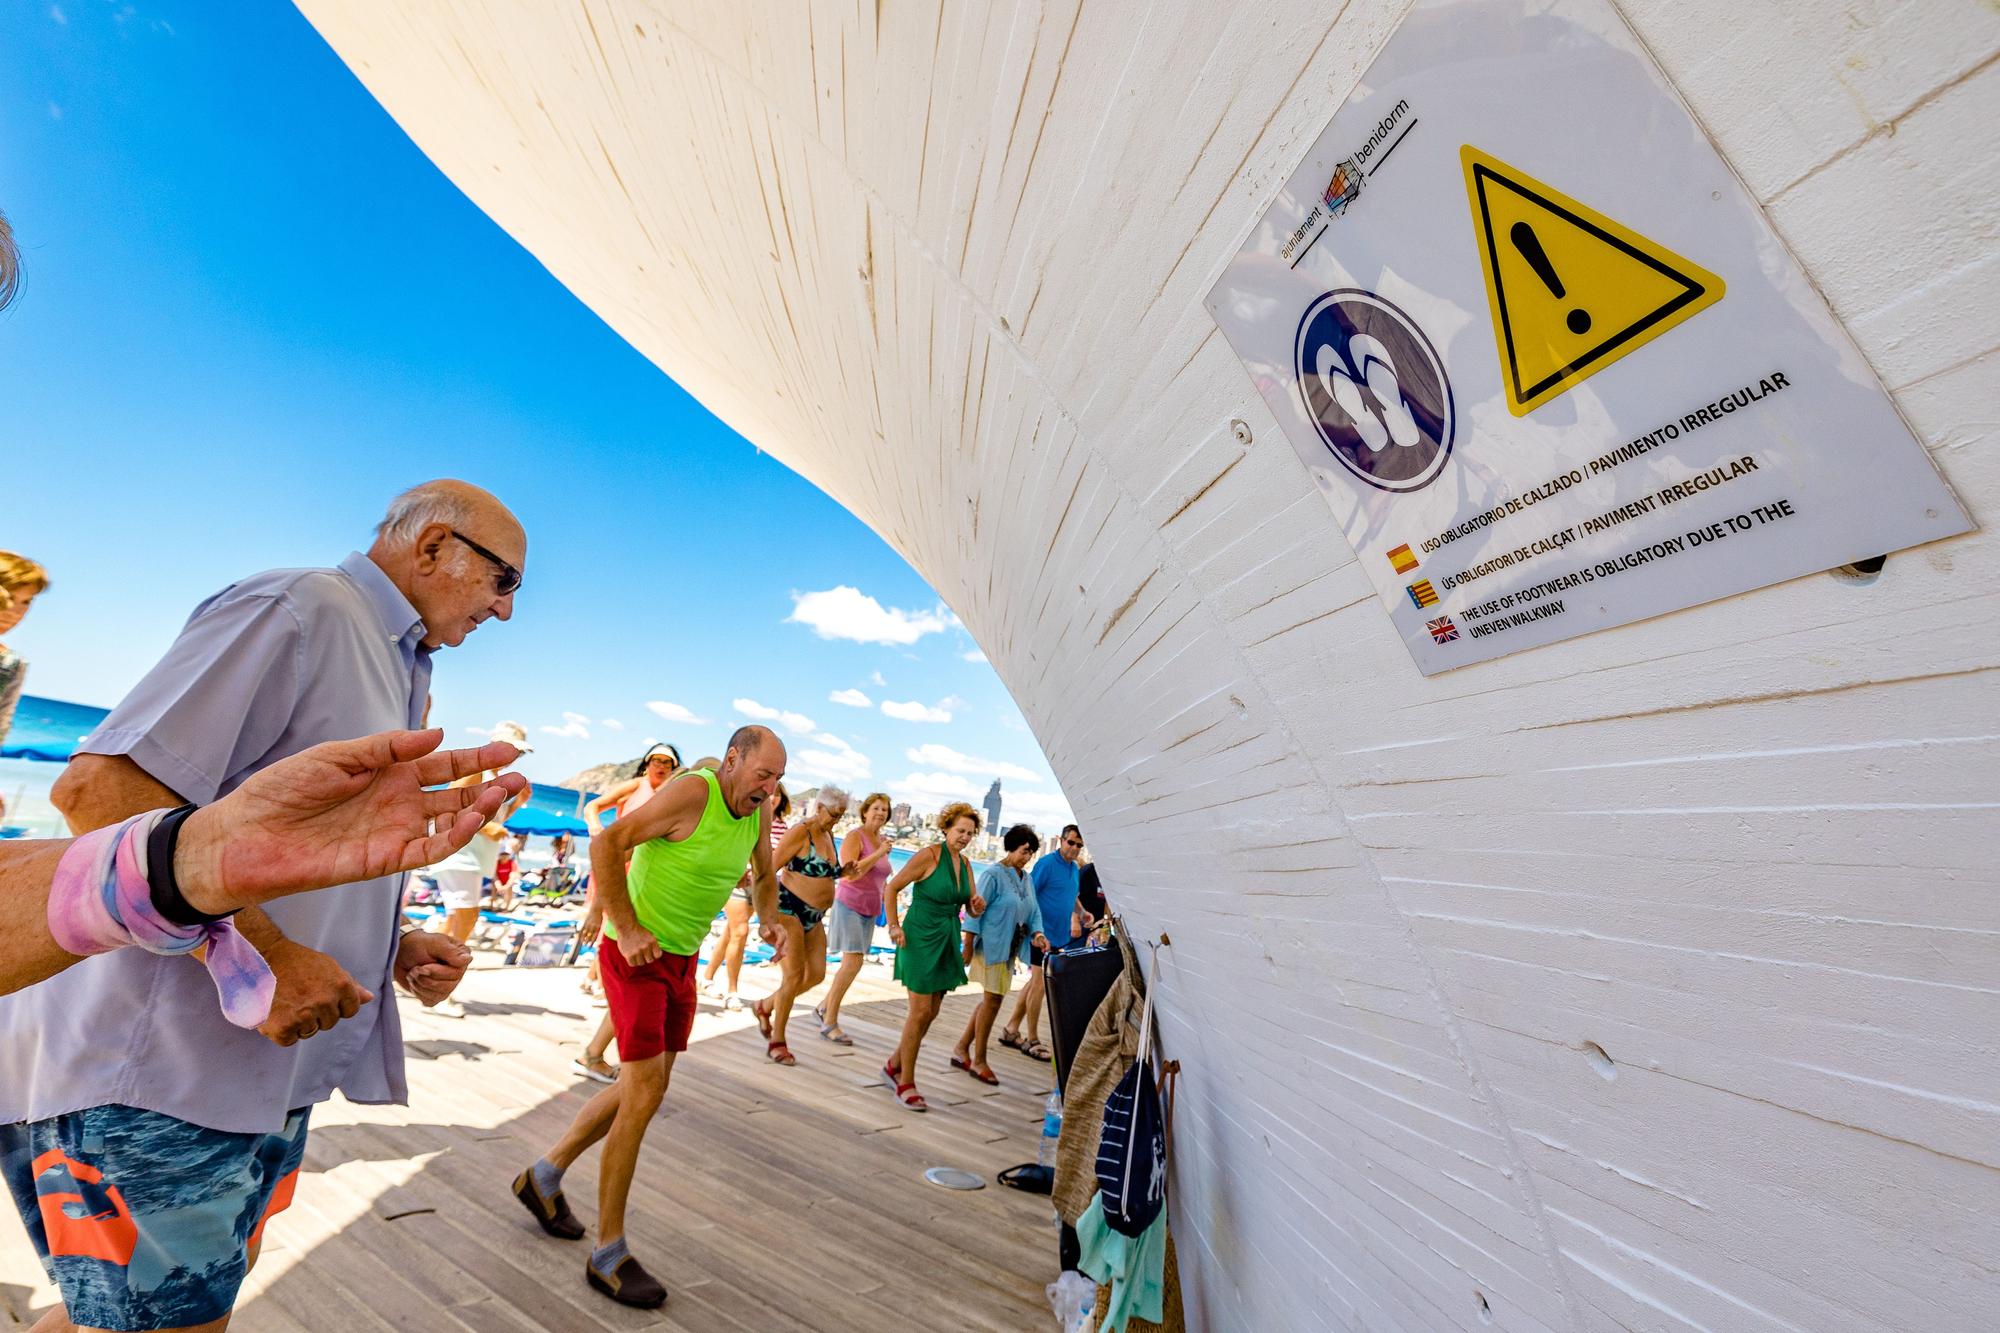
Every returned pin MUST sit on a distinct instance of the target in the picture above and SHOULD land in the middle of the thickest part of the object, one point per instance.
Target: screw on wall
(1240, 429)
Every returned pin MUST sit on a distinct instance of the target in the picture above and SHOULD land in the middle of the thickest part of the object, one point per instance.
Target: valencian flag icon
(1422, 593)
(1403, 559)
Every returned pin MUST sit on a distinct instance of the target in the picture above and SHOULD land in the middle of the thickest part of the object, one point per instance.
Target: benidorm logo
(1375, 389)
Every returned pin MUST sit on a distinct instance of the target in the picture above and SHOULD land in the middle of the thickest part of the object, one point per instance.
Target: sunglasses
(509, 578)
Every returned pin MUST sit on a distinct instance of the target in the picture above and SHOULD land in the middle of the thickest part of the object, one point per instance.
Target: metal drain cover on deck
(954, 1179)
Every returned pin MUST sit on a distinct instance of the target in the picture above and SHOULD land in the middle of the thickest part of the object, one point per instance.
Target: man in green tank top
(686, 847)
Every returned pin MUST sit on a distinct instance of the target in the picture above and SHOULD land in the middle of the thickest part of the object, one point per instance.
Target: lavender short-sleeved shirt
(265, 668)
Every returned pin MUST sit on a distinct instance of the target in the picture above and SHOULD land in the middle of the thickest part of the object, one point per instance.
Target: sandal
(1035, 1050)
(1011, 1037)
(987, 1078)
(907, 1094)
(831, 1032)
(763, 1018)
(779, 1053)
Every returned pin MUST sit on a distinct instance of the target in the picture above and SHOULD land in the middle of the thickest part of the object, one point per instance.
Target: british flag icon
(1442, 629)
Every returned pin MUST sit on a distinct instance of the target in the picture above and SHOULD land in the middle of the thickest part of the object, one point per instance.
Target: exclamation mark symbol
(1530, 245)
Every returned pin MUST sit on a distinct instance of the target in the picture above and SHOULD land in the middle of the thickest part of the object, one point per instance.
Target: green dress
(929, 961)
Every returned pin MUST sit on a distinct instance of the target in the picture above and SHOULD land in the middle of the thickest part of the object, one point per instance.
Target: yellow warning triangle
(1571, 290)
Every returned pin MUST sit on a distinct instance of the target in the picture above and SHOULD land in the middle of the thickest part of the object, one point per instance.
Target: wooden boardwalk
(766, 1198)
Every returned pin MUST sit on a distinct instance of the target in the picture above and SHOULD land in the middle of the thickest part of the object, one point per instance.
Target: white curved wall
(951, 268)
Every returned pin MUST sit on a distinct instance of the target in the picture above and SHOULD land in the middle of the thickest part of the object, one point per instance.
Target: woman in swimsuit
(809, 864)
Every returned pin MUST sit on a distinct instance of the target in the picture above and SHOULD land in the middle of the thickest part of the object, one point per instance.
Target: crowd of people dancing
(280, 747)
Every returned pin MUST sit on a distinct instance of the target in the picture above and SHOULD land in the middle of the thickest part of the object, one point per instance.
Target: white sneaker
(448, 1008)
(734, 1001)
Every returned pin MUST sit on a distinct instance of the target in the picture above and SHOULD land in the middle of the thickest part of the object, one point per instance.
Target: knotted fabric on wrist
(102, 899)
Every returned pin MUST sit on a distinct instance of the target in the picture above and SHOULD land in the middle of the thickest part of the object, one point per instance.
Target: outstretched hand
(337, 813)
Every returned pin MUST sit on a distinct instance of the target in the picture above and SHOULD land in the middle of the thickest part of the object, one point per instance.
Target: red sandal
(779, 1053)
(906, 1093)
(987, 1078)
(763, 1017)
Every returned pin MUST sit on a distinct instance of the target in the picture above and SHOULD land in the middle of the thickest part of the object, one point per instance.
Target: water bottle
(1051, 1129)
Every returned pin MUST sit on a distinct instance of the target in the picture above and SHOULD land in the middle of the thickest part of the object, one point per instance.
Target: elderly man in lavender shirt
(121, 1083)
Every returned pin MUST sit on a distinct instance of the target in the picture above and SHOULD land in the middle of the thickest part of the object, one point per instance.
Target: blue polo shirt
(263, 669)
(1056, 882)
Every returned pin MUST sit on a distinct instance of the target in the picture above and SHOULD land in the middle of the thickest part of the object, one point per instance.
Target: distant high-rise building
(899, 814)
(992, 804)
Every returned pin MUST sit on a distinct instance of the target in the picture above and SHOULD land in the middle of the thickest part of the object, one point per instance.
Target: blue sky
(252, 311)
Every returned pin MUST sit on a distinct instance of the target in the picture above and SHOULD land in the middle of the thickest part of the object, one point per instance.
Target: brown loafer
(551, 1212)
(629, 1284)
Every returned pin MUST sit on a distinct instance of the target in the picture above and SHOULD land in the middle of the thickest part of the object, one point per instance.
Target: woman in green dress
(928, 957)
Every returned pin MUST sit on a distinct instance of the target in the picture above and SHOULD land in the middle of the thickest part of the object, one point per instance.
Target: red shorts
(652, 1007)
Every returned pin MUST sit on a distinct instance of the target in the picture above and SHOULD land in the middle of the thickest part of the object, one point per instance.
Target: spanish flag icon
(1403, 559)
(1422, 593)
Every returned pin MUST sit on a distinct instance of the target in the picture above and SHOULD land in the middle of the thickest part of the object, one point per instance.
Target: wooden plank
(766, 1198)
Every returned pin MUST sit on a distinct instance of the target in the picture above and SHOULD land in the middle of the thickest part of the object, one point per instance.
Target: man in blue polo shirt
(1055, 880)
(122, 1073)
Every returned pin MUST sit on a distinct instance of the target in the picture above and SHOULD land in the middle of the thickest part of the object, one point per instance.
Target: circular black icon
(1375, 389)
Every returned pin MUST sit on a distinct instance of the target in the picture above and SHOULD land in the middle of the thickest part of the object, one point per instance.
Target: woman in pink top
(857, 901)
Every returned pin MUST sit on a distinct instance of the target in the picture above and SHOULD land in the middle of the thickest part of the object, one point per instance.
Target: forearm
(764, 894)
(97, 790)
(608, 882)
(28, 953)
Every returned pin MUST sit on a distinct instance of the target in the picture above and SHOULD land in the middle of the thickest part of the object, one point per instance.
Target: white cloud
(796, 723)
(611, 724)
(848, 613)
(55, 12)
(852, 698)
(913, 711)
(974, 656)
(931, 790)
(675, 713)
(575, 725)
(943, 756)
(1046, 810)
(837, 762)
(877, 679)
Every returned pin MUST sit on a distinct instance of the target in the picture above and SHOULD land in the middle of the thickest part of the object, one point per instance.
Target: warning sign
(1479, 309)
(1570, 289)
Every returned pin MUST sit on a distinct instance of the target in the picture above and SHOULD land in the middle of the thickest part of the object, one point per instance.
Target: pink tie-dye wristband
(101, 900)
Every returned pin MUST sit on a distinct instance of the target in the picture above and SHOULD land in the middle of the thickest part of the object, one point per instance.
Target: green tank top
(678, 887)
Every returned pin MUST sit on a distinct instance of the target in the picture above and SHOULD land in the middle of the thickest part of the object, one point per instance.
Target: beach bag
(1132, 1151)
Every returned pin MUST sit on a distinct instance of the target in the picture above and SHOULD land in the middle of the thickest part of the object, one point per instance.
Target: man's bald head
(752, 767)
(470, 509)
(748, 740)
(456, 552)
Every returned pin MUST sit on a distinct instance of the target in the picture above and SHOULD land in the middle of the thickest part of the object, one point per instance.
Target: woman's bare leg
(792, 980)
(843, 977)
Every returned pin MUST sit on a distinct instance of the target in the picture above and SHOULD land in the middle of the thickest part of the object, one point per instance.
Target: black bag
(1030, 1176)
(1076, 982)
(1132, 1153)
